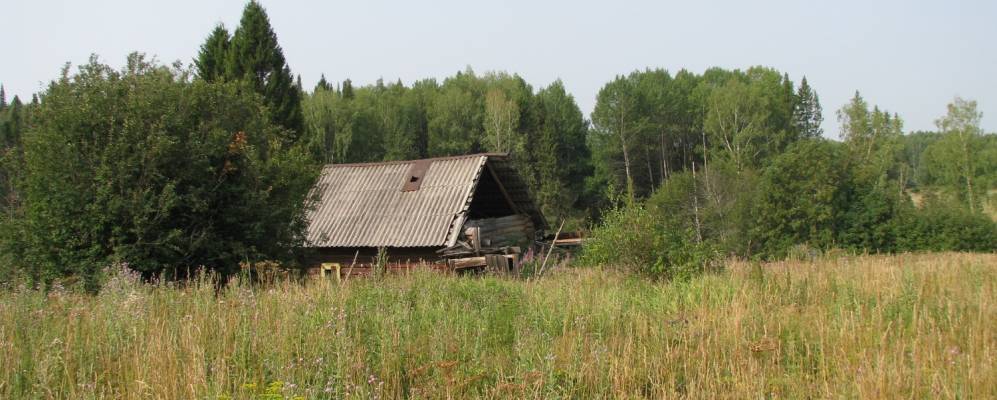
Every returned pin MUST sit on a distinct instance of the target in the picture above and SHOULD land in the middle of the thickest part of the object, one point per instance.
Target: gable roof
(364, 205)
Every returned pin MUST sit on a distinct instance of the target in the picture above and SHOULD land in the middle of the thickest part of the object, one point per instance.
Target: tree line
(796, 194)
(168, 168)
(543, 130)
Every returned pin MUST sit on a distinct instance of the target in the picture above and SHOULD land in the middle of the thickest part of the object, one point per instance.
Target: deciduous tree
(736, 123)
(960, 128)
(145, 167)
(618, 119)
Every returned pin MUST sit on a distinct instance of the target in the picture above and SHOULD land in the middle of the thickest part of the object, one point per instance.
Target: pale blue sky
(910, 57)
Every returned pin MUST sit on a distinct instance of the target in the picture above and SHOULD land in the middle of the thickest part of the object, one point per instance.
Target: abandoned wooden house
(458, 212)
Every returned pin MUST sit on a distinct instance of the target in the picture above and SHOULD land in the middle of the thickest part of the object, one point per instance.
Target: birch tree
(960, 129)
(736, 122)
(617, 116)
(501, 120)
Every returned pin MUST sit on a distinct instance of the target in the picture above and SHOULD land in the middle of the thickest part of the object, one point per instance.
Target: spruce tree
(3, 98)
(322, 84)
(256, 56)
(807, 113)
(211, 60)
(14, 117)
(347, 89)
(12, 123)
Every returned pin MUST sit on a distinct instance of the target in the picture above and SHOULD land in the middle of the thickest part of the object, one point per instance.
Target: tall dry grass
(912, 326)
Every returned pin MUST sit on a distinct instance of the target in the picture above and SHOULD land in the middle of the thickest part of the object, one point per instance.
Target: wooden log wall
(512, 230)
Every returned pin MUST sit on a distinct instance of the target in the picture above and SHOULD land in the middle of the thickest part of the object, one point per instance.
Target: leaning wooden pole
(350, 271)
(551, 250)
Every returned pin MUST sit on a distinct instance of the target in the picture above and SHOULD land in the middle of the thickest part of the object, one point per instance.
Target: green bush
(800, 199)
(872, 219)
(718, 203)
(624, 238)
(634, 239)
(148, 167)
(938, 226)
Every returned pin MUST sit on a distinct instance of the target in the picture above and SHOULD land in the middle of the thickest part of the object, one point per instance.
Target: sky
(909, 57)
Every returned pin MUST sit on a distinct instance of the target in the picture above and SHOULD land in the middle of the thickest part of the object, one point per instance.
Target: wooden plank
(501, 187)
(568, 242)
(475, 237)
(470, 262)
(500, 262)
(514, 219)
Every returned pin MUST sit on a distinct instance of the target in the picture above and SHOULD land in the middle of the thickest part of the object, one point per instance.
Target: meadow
(910, 325)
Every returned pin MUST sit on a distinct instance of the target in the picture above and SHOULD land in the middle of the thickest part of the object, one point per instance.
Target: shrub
(938, 226)
(632, 238)
(872, 218)
(716, 202)
(800, 205)
(148, 167)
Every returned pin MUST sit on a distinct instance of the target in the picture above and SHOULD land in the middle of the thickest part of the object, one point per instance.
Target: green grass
(918, 326)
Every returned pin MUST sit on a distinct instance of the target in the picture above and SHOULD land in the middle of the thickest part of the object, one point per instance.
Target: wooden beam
(470, 262)
(502, 189)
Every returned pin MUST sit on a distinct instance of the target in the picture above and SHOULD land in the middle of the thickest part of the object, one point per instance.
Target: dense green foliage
(543, 130)
(14, 118)
(649, 124)
(807, 112)
(753, 189)
(212, 60)
(800, 205)
(632, 238)
(253, 54)
(146, 167)
(166, 169)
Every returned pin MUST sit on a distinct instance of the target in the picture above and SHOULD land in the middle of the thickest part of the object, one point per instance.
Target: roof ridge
(457, 157)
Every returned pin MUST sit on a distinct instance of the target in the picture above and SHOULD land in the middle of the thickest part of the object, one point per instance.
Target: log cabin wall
(398, 257)
(512, 230)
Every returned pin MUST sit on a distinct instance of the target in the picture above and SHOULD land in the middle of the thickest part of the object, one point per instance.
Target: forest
(153, 220)
(167, 168)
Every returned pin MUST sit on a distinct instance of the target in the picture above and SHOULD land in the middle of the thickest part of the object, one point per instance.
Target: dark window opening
(488, 200)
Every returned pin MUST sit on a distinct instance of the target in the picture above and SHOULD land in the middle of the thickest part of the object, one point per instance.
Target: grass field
(910, 326)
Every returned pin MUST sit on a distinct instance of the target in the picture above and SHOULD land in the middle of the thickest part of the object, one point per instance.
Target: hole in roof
(416, 172)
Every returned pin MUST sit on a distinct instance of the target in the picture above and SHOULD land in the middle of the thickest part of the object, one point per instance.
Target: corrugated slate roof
(363, 205)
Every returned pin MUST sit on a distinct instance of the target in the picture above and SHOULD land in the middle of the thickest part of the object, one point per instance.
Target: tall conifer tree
(256, 56)
(347, 89)
(211, 62)
(323, 84)
(807, 113)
